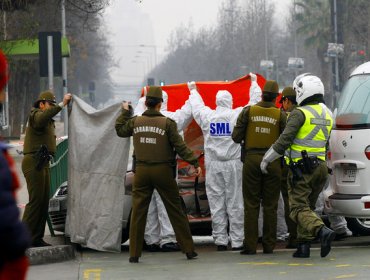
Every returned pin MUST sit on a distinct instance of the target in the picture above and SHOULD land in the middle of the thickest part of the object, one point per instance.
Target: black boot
(303, 250)
(326, 236)
(191, 255)
(133, 259)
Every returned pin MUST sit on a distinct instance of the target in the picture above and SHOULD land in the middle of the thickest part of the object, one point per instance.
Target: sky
(163, 15)
(139, 30)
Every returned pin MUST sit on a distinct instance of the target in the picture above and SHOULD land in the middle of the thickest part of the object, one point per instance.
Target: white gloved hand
(263, 166)
(269, 156)
(192, 85)
(253, 77)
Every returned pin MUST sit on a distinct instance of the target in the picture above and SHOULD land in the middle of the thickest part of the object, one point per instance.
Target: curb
(50, 254)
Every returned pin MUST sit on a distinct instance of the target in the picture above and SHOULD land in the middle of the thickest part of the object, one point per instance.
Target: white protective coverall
(222, 163)
(337, 223)
(223, 166)
(255, 92)
(158, 229)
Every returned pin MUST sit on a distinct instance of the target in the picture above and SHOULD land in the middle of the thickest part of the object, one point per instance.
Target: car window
(354, 103)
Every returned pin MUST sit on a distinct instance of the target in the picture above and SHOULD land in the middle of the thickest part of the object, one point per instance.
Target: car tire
(359, 226)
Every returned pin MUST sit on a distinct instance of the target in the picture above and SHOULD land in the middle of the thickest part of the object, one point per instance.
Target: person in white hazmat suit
(337, 223)
(223, 164)
(159, 234)
(255, 91)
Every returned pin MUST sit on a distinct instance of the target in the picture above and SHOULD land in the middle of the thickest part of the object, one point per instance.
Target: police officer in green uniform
(156, 142)
(258, 126)
(305, 138)
(288, 104)
(39, 144)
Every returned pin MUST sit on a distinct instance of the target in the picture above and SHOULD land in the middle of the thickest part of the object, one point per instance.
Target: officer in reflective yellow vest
(259, 126)
(156, 142)
(288, 104)
(305, 138)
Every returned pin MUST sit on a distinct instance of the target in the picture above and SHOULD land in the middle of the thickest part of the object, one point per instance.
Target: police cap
(47, 96)
(289, 93)
(271, 86)
(155, 92)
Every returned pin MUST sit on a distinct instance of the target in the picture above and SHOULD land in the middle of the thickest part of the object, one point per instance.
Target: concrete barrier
(50, 254)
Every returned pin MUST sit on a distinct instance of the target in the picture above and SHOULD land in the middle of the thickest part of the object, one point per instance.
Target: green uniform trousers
(303, 195)
(160, 177)
(291, 225)
(259, 189)
(38, 186)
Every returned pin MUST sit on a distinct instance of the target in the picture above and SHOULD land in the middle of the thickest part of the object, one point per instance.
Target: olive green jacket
(295, 120)
(240, 128)
(41, 130)
(125, 125)
(291, 108)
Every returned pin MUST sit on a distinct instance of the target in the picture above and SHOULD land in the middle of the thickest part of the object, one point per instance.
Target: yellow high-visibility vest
(313, 134)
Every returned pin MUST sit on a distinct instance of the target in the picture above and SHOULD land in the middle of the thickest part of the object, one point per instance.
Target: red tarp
(239, 89)
(179, 93)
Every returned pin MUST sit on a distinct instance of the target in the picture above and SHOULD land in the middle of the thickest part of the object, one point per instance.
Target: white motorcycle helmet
(306, 85)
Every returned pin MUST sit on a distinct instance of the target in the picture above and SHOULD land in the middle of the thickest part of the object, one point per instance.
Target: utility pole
(5, 116)
(265, 31)
(50, 63)
(295, 37)
(64, 67)
(336, 88)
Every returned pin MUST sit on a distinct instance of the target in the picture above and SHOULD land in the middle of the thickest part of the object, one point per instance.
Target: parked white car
(349, 155)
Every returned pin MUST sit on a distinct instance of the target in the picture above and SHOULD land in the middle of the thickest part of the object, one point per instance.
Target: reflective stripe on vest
(313, 134)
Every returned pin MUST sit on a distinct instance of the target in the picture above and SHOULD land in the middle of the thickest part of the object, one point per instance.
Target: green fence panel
(59, 166)
(58, 172)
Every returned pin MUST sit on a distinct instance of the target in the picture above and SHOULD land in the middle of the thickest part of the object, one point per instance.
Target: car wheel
(359, 226)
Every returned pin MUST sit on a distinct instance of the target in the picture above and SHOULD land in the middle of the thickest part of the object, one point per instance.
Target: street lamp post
(5, 116)
(335, 50)
(142, 62)
(149, 56)
(267, 66)
(148, 66)
(336, 90)
(154, 47)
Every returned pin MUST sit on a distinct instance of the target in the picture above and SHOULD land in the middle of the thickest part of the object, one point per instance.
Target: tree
(355, 19)
(86, 6)
(11, 5)
(313, 17)
(90, 55)
(222, 52)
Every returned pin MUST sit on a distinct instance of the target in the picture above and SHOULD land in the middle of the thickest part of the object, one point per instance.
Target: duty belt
(313, 162)
(305, 165)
